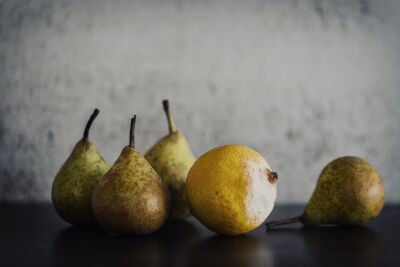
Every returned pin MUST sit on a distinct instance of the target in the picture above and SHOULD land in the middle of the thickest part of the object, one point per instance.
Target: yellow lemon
(231, 189)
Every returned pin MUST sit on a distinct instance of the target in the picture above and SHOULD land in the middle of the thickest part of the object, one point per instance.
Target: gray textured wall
(302, 82)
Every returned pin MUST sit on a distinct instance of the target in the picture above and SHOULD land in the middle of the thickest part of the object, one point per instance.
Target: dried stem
(272, 224)
(171, 124)
(89, 123)
(132, 132)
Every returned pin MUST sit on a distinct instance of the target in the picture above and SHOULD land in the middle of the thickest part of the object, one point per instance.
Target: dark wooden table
(33, 235)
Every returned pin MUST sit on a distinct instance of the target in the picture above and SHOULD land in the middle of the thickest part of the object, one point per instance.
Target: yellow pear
(172, 158)
(74, 183)
(131, 198)
(231, 189)
(349, 191)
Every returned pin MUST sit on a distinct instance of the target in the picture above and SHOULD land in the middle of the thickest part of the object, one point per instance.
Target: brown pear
(131, 198)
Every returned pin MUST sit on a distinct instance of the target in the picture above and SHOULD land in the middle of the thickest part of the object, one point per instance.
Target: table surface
(34, 235)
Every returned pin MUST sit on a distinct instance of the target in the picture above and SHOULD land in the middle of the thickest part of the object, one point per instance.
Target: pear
(73, 185)
(131, 198)
(172, 158)
(349, 191)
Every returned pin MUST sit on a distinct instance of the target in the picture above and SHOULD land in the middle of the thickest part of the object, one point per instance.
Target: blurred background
(302, 82)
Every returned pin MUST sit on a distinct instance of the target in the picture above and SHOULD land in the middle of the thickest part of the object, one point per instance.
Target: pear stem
(171, 124)
(89, 123)
(132, 132)
(272, 224)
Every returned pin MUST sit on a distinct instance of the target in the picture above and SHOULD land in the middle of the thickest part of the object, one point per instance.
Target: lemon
(231, 189)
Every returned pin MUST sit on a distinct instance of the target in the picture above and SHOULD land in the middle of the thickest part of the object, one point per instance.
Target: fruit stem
(272, 177)
(272, 224)
(89, 123)
(171, 124)
(132, 132)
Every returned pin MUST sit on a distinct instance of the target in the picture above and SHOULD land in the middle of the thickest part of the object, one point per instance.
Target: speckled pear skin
(172, 159)
(349, 192)
(74, 183)
(131, 198)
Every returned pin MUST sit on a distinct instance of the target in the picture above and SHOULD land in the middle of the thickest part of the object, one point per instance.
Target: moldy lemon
(231, 189)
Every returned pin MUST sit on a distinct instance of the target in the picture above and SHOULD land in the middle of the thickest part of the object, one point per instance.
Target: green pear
(172, 158)
(131, 198)
(349, 191)
(73, 185)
